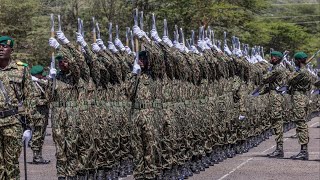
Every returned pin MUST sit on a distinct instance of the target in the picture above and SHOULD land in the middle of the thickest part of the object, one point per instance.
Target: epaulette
(19, 63)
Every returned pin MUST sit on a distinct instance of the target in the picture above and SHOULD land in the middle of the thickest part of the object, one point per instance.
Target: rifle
(110, 32)
(79, 31)
(52, 65)
(127, 36)
(313, 56)
(94, 35)
(141, 25)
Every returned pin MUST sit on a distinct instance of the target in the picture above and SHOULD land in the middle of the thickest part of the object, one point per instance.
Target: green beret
(277, 54)
(6, 40)
(59, 57)
(142, 54)
(38, 69)
(300, 55)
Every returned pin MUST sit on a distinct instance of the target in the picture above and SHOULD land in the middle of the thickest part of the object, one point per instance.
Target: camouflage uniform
(273, 80)
(65, 122)
(39, 118)
(300, 84)
(17, 84)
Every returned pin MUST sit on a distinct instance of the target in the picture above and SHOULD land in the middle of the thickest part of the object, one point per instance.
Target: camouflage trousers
(275, 114)
(65, 128)
(300, 104)
(107, 139)
(39, 123)
(86, 145)
(10, 149)
(144, 144)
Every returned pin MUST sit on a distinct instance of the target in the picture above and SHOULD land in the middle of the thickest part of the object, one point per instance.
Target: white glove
(166, 40)
(95, 47)
(208, 42)
(101, 44)
(127, 49)
(52, 72)
(138, 32)
(136, 67)
(227, 50)
(62, 37)
(194, 49)
(53, 43)
(81, 40)
(35, 79)
(155, 36)
(178, 46)
(111, 47)
(201, 45)
(241, 117)
(118, 43)
(27, 134)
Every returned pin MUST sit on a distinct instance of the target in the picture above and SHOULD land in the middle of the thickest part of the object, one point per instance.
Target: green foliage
(256, 22)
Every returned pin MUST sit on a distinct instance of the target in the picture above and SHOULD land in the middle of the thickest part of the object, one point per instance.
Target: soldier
(65, 121)
(299, 85)
(39, 118)
(272, 82)
(15, 87)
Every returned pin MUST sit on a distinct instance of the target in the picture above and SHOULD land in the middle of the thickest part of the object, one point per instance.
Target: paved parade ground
(253, 165)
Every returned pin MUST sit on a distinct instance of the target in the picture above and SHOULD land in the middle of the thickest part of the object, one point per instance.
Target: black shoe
(194, 168)
(100, 175)
(276, 154)
(61, 178)
(303, 154)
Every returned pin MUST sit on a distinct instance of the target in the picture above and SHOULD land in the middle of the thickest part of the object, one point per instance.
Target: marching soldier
(299, 85)
(39, 118)
(272, 82)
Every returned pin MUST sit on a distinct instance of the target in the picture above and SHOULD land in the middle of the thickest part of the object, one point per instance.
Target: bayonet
(141, 20)
(127, 36)
(98, 31)
(154, 22)
(117, 31)
(110, 32)
(165, 28)
(59, 23)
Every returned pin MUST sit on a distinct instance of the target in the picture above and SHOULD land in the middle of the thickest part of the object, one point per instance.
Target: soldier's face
(5, 51)
(64, 65)
(274, 59)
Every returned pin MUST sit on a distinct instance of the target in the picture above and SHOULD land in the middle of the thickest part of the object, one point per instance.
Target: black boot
(122, 169)
(61, 178)
(38, 159)
(303, 154)
(100, 175)
(91, 175)
(194, 168)
(108, 175)
(188, 170)
(81, 177)
(278, 153)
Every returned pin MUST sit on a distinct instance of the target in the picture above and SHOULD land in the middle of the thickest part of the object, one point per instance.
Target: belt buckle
(2, 114)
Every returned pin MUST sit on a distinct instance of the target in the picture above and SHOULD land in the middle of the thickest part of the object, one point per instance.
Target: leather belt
(7, 113)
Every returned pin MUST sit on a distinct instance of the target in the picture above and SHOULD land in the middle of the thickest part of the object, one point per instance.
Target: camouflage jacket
(17, 86)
